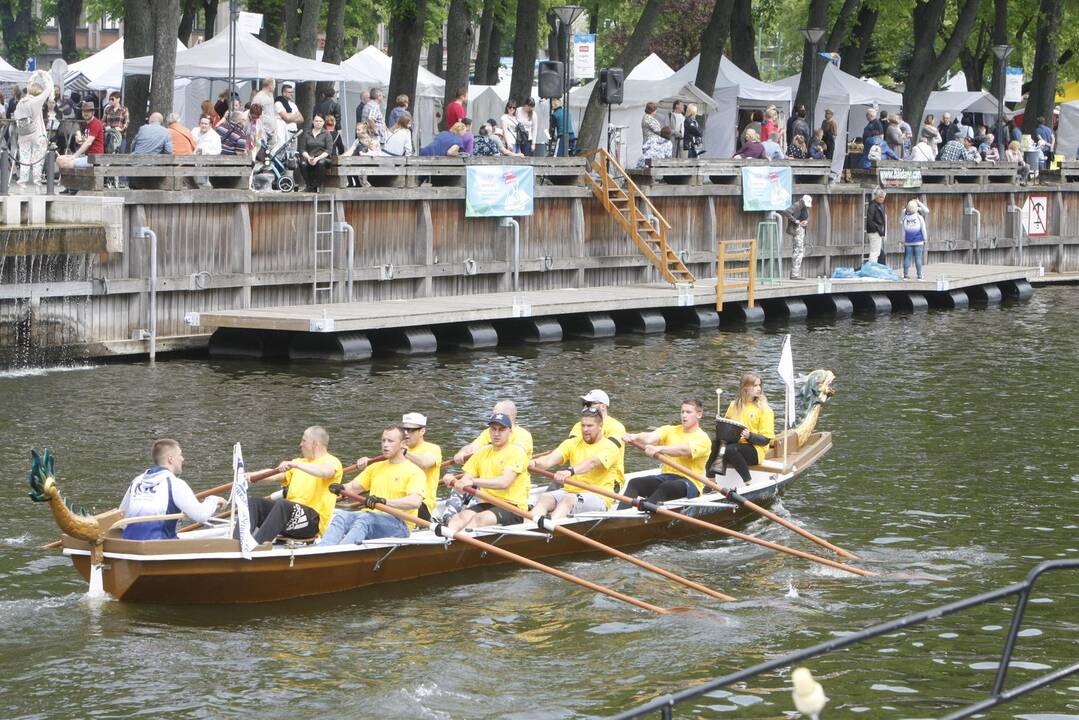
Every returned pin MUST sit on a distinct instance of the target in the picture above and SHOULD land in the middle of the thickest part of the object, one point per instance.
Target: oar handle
(595, 544)
(737, 498)
(496, 550)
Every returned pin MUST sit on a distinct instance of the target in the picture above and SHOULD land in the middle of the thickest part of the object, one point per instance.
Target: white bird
(809, 697)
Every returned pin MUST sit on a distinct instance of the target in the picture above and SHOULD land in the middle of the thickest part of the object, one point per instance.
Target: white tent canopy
(488, 102)
(734, 90)
(371, 68)
(943, 101)
(848, 98)
(651, 68)
(1068, 130)
(9, 74)
(635, 95)
(254, 59)
(104, 70)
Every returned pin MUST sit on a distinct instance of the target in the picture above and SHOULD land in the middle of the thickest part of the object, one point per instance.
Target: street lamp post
(1001, 52)
(813, 36)
(567, 15)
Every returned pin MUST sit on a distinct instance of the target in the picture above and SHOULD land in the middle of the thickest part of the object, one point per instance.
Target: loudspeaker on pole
(611, 84)
(550, 79)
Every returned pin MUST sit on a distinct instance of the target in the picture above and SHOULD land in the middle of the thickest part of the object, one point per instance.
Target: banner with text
(584, 56)
(1013, 85)
(766, 188)
(499, 190)
(899, 177)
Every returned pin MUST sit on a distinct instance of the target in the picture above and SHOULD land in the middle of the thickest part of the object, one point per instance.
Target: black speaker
(550, 79)
(611, 83)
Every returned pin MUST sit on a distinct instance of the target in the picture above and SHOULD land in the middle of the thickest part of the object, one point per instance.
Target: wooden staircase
(625, 202)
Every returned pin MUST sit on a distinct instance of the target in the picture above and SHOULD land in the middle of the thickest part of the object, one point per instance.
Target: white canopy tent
(104, 70)
(651, 68)
(848, 98)
(735, 90)
(371, 68)
(1068, 130)
(488, 102)
(635, 95)
(943, 101)
(9, 74)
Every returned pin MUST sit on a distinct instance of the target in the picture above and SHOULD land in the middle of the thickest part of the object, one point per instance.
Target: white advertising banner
(584, 56)
(1013, 85)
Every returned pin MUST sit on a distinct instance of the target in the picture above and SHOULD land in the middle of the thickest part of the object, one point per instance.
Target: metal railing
(743, 276)
(666, 704)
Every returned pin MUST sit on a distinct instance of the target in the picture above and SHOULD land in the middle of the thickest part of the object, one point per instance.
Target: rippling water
(955, 470)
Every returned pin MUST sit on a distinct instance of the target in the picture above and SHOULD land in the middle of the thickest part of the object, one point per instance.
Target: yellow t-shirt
(490, 463)
(519, 437)
(699, 446)
(759, 420)
(392, 481)
(314, 492)
(431, 473)
(575, 450)
(611, 429)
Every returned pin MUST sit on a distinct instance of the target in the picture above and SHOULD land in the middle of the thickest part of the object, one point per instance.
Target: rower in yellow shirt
(591, 458)
(499, 469)
(394, 482)
(612, 428)
(686, 440)
(425, 455)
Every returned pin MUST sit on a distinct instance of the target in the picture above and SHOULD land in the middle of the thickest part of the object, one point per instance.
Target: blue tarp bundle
(871, 270)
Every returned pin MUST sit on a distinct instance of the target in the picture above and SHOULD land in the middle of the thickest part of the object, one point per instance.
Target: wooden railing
(740, 276)
(631, 209)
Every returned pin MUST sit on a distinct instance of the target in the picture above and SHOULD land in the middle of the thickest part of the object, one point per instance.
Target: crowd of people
(498, 462)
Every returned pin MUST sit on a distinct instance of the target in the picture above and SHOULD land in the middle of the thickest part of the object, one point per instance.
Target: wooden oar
(653, 508)
(737, 498)
(484, 497)
(443, 531)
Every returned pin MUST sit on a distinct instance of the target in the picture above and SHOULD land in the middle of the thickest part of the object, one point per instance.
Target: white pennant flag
(240, 518)
(786, 373)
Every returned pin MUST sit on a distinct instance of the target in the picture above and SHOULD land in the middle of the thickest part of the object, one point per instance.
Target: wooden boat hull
(210, 571)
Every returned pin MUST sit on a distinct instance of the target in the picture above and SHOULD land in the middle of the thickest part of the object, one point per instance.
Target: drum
(728, 431)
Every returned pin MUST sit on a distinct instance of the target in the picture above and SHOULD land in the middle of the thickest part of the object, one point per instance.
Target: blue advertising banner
(499, 190)
(766, 188)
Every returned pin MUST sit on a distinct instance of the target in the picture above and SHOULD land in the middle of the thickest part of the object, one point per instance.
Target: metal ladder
(323, 234)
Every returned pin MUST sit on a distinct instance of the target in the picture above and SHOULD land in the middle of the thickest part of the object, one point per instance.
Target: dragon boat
(206, 565)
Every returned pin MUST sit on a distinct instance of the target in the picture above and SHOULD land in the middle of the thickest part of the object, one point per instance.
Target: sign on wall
(499, 190)
(899, 177)
(1035, 216)
(584, 56)
(766, 188)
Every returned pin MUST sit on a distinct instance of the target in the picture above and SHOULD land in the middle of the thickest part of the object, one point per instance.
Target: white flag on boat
(786, 372)
(240, 518)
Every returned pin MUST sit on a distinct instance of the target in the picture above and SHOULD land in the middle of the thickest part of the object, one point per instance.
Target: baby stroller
(274, 165)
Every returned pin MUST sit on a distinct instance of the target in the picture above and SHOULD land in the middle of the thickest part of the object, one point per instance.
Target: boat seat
(769, 465)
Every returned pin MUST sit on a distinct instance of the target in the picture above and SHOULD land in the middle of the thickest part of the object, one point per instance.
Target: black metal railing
(665, 705)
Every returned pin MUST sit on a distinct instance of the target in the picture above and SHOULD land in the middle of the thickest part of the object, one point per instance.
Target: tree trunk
(138, 41)
(1043, 84)
(406, 26)
(713, 39)
(209, 16)
(842, 26)
(524, 48)
(494, 57)
(973, 59)
(190, 11)
(927, 66)
(306, 45)
(853, 53)
(166, 24)
(635, 51)
(812, 71)
(744, 38)
(1000, 37)
(435, 53)
(483, 43)
(67, 19)
(291, 31)
(459, 36)
(333, 51)
(593, 17)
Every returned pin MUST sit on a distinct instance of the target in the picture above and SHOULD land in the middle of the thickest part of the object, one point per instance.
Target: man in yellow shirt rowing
(686, 441)
(499, 469)
(394, 482)
(612, 428)
(591, 458)
(425, 455)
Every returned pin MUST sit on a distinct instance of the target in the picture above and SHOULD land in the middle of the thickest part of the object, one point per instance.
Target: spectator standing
(893, 135)
(183, 142)
(946, 129)
(233, 135)
(650, 125)
(219, 108)
(875, 150)
(770, 126)
(915, 234)
(265, 99)
(677, 123)
(115, 119)
(830, 131)
(657, 147)
(288, 115)
(876, 226)
(208, 108)
(873, 126)
(30, 126)
(562, 119)
(818, 150)
(772, 148)
(455, 111)
(797, 216)
(335, 134)
(931, 134)
(988, 148)
(399, 143)
(756, 121)
(1045, 134)
(256, 127)
(328, 107)
(797, 125)
(400, 108)
(692, 137)
(751, 149)
(153, 138)
(527, 127)
(373, 111)
(365, 97)
(797, 149)
(509, 123)
(316, 148)
(953, 151)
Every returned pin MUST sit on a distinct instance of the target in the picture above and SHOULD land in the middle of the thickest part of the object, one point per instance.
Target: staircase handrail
(600, 159)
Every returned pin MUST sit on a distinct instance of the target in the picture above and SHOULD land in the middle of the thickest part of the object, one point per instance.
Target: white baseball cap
(807, 201)
(596, 396)
(414, 418)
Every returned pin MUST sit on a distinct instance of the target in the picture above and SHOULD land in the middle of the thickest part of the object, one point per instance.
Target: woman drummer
(752, 410)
